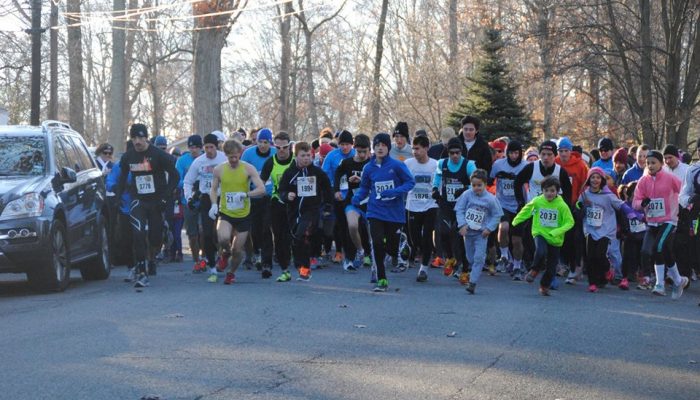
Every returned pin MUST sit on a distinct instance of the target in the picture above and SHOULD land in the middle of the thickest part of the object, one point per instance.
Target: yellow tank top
(234, 181)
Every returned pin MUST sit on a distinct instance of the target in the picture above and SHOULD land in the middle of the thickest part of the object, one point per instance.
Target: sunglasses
(282, 147)
(107, 153)
(455, 152)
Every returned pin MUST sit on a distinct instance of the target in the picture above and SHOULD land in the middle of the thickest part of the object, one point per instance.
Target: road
(332, 338)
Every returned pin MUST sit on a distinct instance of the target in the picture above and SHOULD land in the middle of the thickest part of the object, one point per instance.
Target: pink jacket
(664, 186)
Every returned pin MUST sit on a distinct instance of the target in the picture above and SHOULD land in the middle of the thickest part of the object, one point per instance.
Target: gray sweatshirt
(478, 212)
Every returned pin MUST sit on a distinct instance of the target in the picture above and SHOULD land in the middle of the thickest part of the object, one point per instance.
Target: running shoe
(517, 274)
(610, 275)
(367, 261)
(592, 288)
(659, 290)
(349, 267)
(502, 265)
(266, 273)
(142, 281)
(373, 278)
(401, 267)
(357, 262)
(131, 276)
(464, 278)
(643, 283)
(437, 262)
(492, 269)
(471, 288)
(530, 277)
(678, 289)
(286, 276)
(199, 266)
(257, 262)
(213, 278)
(449, 267)
(230, 278)
(555, 284)
(422, 276)
(338, 257)
(624, 284)
(304, 274)
(571, 278)
(381, 286)
(313, 262)
(544, 291)
(221, 263)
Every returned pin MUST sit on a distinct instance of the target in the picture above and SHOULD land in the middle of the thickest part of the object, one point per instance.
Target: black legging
(631, 257)
(146, 218)
(452, 243)
(380, 230)
(280, 231)
(208, 231)
(597, 260)
(302, 230)
(657, 247)
(420, 233)
(260, 229)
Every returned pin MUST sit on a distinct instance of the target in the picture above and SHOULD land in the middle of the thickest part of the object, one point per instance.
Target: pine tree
(490, 96)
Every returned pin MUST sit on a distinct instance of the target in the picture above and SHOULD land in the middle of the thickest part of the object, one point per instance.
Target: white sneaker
(659, 290)
(678, 290)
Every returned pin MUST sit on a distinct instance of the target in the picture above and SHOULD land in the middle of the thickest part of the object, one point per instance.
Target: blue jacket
(182, 165)
(252, 156)
(633, 174)
(606, 165)
(387, 185)
(112, 181)
(332, 161)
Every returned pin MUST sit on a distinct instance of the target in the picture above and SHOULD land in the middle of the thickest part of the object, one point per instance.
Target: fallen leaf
(452, 334)
(360, 326)
(343, 306)
(176, 315)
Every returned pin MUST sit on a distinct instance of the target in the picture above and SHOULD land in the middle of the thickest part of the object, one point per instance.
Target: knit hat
(454, 143)
(382, 138)
(138, 130)
(265, 134)
(160, 141)
(620, 155)
(421, 132)
(565, 143)
(656, 154)
(498, 145)
(671, 150)
(595, 170)
(532, 152)
(549, 145)
(362, 141)
(219, 136)
(401, 129)
(194, 140)
(514, 145)
(325, 149)
(211, 139)
(345, 137)
(242, 132)
(605, 144)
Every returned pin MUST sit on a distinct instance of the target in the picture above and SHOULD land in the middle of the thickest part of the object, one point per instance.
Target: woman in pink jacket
(657, 195)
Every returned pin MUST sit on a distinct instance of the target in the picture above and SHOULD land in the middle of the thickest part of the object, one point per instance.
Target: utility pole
(53, 76)
(36, 32)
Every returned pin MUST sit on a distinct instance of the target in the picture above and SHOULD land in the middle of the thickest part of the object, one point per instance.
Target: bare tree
(75, 67)
(118, 84)
(376, 76)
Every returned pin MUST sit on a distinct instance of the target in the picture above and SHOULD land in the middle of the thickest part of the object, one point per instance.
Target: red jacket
(578, 173)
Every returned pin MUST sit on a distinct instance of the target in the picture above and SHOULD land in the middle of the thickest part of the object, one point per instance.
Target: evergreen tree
(490, 96)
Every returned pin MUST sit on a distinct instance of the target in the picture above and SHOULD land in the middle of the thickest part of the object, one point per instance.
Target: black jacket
(480, 152)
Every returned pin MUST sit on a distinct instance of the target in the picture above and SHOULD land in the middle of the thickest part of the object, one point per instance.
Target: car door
(93, 192)
(68, 193)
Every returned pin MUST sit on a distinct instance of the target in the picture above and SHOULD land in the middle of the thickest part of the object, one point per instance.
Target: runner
(330, 165)
(346, 181)
(261, 233)
(233, 180)
(200, 174)
(306, 190)
(606, 149)
(473, 146)
(673, 163)
(401, 149)
(155, 179)
(194, 144)
(421, 207)
(637, 170)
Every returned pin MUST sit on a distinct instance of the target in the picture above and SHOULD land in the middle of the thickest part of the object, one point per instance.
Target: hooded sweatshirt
(599, 219)
(478, 212)
(578, 173)
(311, 186)
(662, 190)
(385, 182)
(550, 219)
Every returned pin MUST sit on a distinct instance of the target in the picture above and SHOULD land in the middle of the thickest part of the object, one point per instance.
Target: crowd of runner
(618, 216)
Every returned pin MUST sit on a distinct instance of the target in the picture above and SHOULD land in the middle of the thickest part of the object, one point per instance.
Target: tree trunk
(75, 70)
(208, 44)
(128, 61)
(117, 122)
(285, 62)
(454, 39)
(376, 77)
(645, 71)
(53, 77)
(594, 109)
(153, 79)
(310, 88)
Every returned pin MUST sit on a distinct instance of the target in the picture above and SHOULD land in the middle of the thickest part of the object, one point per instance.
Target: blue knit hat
(265, 134)
(382, 138)
(160, 141)
(565, 143)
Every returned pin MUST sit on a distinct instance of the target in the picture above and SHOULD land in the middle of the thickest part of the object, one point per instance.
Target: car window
(71, 154)
(22, 155)
(86, 162)
(61, 160)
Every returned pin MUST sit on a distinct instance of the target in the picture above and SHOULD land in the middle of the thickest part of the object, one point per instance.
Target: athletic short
(350, 207)
(191, 221)
(509, 217)
(238, 224)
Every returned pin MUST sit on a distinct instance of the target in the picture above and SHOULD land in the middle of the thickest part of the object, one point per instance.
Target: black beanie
(454, 143)
(362, 141)
(656, 154)
(382, 138)
(421, 132)
(138, 130)
(514, 145)
(345, 137)
(401, 129)
(211, 139)
(605, 144)
(671, 150)
(549, 145)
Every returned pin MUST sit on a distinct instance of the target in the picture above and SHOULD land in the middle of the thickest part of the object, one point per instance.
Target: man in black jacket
(474, 147)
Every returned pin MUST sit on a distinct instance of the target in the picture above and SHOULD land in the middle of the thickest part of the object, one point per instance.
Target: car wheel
(54, 274)
(100, 267)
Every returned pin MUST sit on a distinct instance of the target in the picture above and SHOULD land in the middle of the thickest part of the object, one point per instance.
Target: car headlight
(29, 205)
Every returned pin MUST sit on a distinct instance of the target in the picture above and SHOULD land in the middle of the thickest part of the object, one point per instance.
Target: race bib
(549, 217)
(145, 184)
(343, 182)
(507, 187)
(451, 189)
(657, 208)
(637, 226)
(381, 186)
(594, 216)
(205, 183)
(306, 186)
(475, 218)
(234, 201)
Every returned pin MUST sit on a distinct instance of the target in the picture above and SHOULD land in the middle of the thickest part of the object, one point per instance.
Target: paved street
(332, 338)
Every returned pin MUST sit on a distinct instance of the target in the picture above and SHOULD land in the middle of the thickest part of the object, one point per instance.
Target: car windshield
(22, 155)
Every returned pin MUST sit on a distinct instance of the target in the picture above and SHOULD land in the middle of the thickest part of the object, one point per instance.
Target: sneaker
(248, 263)
(357, 262)
(471, 287)
(464, 278)
(624, 284)
(694, 276)
(381, 286)
(422, 276)
(659, 290)
(373, 278)
(349, 267)
(313, 262)
(286, 276)
(213, 278)
(199, 266)
(492, 269)
(437, 262)
(544, 291)
(230, 278)
(258, 263)
(643, 283)
(449, 267)
(142, 281)
(592, 288)
(530, 277)
(304, 274)
(517, 275)
(222, 263)
(401, 267)
(367, 261)
(131, 276)
(266, 273)
(502, 265)
(570, 281)
(678, 290)
(338, 257)
(152, 268)
(555, 284)
(610, 275)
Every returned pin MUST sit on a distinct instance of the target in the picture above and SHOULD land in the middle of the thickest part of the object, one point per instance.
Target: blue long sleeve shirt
(386, 183)
(333, 160)
(112, 181)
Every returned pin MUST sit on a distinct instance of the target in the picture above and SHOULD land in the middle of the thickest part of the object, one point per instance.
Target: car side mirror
(67, 175)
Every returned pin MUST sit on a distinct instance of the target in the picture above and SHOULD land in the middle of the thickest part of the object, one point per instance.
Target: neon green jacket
(550, 219)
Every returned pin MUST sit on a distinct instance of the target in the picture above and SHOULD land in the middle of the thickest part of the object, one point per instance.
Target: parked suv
(53, 214)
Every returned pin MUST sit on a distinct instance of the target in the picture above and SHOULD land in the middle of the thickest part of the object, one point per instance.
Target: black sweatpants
(302, 229)
(420, 234)
(261, 232)
(207, 231)
(546, 258)
(146, 218)
(280, 232)
(631, 257)
(597, 260)
(380, 230)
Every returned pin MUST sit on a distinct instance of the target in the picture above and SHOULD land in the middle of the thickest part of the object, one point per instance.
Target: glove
(388, 194)
(163, 204)
(646, 202)
(436, 194)
(213, 211)
(459, 192)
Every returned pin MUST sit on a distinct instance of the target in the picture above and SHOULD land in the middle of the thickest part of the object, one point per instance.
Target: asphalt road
(332, 338)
